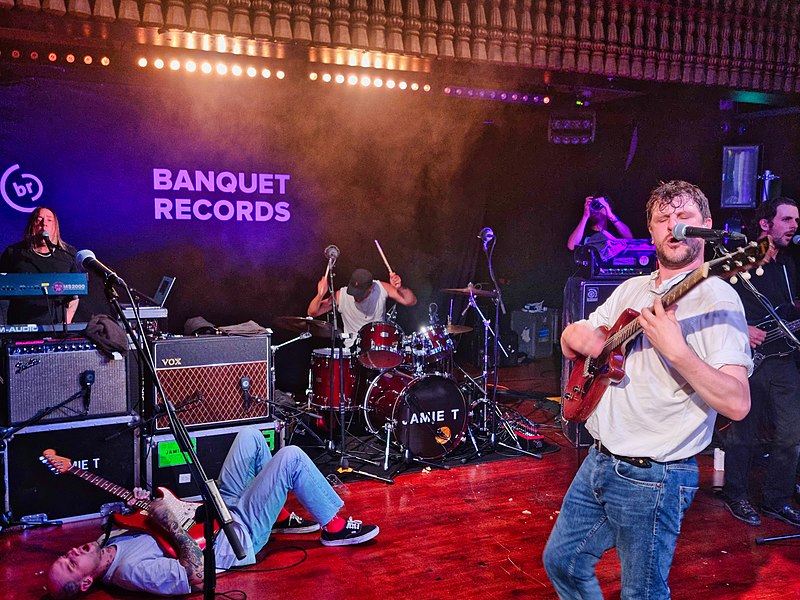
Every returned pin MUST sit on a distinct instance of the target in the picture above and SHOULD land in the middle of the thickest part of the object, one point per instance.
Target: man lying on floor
(254, 485)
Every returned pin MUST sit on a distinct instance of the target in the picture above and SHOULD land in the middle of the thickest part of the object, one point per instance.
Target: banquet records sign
(186, 195)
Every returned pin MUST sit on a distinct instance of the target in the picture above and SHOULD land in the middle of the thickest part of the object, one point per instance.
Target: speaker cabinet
(107, 447)
(41, 374)
(581, 298)
(202, 377)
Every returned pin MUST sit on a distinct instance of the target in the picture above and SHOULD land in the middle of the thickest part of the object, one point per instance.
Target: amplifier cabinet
(107, 447)
(164, 465)
(202, 377)
(41, 374)
(581, 298)
(537, 332)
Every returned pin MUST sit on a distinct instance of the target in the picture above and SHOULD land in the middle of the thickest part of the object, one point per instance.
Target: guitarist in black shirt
(774, 389)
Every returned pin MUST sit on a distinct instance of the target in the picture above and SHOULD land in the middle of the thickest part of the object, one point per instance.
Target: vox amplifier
(213, 380)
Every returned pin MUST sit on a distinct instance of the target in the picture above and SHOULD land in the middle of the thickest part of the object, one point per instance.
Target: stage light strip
(495, 95)
(209, 66)
(53, 56)
(399, 81)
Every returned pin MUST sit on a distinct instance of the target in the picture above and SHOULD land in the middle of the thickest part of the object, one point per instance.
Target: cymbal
(470, 291)
(457, 329)
(303, 324)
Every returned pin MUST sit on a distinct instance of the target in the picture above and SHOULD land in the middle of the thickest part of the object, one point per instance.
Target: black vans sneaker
(295, 524)
(354, 532)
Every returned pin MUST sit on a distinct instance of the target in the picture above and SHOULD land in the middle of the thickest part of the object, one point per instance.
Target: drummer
(364, 301)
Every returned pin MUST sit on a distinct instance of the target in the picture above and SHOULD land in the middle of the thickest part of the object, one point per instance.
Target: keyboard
(43, 284)
(29, 328)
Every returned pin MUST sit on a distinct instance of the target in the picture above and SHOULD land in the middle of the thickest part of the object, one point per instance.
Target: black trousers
(775, 408)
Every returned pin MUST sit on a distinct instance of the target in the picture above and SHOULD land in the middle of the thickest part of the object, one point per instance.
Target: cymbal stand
(344, 457)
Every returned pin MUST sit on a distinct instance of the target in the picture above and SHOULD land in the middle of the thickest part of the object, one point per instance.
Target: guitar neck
(108, 486)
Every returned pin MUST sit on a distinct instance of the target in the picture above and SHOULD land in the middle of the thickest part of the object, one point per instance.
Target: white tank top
(372, 308)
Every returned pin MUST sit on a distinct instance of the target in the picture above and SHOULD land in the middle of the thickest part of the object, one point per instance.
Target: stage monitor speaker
(41, 374)
(203, 378)
(581, 298)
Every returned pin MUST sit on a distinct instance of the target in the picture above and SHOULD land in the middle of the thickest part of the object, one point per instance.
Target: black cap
(360, 283)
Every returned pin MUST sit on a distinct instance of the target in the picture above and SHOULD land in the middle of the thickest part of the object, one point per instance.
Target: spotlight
(365, 81)
(266, 73)
(222, 69)
(414, 86)
(426, 87)
(206, 68)
(313, 76)
(280, 74)
(390, 84)
(142, 62)
(546, 99)
(377, 82)
(34, 55)
(402, 85)
(352, 79)
(105, 61)
(87, 60)
(326, 77)
(174, 65)
(70, 58)
(158, 63)
(251, 72)
(191, 66)
(339, 78)
(52, 57)
(236, 70)
(15, 54)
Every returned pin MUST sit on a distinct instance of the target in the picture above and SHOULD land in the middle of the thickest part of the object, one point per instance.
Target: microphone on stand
(86, 380)
(86, 260)
(50, 245)
(486, 235)
(796, 240)
(244, 385)
(682, 231)
(331, 253)
(433, 317)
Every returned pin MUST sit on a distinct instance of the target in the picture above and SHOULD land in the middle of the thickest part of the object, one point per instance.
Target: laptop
(160, 296)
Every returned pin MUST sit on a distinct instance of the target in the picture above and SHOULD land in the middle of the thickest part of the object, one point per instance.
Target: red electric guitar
(591, 376)
(137, 521)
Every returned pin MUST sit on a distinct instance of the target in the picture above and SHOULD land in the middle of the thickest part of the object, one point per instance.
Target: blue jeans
(254, 484)
(610, 504)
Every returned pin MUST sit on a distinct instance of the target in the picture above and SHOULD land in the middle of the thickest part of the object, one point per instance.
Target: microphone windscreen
(81, 256)
(679, 231)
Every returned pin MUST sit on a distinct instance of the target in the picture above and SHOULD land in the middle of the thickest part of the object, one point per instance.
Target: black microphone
(486, 235)
(86, 260)
(244, 385)
(433, 316)
(50, 245)
(682, 231)
(87, 379)
(331, 253)
(796, 240)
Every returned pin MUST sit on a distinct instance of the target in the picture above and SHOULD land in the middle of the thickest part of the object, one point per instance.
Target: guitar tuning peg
(734, 280)
(746, 275)
(760, 271)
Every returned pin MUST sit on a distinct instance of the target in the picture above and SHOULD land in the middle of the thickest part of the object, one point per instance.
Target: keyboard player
(41, 251)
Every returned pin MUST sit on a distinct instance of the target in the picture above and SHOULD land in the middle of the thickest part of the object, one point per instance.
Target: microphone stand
(215, 508)
(344, 463)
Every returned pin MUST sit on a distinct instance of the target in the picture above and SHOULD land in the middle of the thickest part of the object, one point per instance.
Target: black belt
(636, 461)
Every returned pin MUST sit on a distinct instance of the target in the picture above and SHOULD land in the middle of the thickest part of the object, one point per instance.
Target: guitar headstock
(57, 464)
(741, 260)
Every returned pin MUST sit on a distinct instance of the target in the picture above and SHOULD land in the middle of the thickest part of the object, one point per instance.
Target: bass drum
(428, 412)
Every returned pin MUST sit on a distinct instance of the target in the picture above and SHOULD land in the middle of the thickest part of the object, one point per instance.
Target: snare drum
(321, 367)
(428, 413)
(379, 345)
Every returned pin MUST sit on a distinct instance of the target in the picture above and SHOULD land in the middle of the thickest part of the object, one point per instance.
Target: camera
(596, 205)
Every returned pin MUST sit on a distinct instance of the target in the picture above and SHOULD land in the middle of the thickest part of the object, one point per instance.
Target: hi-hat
(457, 329)
(304, 324)
(470, 290)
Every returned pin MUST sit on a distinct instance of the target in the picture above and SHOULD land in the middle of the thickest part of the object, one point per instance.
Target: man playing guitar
(773, 385)
(692, 361)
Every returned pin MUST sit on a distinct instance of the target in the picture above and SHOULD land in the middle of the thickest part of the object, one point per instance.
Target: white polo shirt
(653, 412)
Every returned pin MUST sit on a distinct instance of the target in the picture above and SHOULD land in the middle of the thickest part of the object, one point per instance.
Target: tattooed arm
(189, 554)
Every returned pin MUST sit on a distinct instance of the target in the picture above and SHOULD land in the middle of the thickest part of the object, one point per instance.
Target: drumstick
(383, 256)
